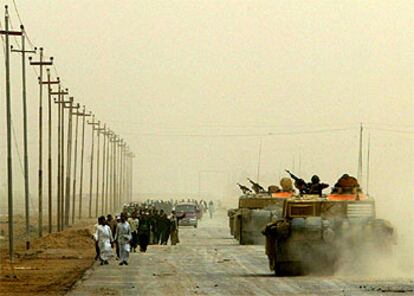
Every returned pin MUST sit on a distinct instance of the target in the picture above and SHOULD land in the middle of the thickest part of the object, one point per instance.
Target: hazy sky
(179, 80)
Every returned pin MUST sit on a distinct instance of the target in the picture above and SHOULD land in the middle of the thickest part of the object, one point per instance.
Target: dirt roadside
(52, 265)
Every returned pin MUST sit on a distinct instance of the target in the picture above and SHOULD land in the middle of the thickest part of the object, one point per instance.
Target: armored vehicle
(317, 233)
(255, 211)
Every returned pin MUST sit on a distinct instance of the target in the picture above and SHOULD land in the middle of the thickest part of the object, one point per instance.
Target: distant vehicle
(257, 208)
(255, 211)
(190, 212)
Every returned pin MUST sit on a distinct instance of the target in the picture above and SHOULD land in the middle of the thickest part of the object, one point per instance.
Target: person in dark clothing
(97, 250)
(144, 231)
(111, 223)
(316, 187)
(156, 225)
(300, 184)
(118, 220)
(346, 185)
(174, 223)
(164, 227)
(133, 223)
(153, 219)
(211, 208)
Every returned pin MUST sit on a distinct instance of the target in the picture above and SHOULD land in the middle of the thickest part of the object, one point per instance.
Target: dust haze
(209, 93)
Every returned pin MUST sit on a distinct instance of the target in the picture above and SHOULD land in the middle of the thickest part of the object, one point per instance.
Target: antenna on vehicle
(368, 161)
(360, 159)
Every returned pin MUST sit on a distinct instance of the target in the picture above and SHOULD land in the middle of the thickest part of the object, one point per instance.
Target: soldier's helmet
(286, 184)
(315, 179)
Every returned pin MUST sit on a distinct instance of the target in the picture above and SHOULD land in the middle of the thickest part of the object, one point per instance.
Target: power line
(2, 39)
(17, 149)
(390, 125)
(55, 69)
(4, 49)
(259, 126)
(244, 135)
(21, 23)
(399, 131)
(14, 37)
(230, 125)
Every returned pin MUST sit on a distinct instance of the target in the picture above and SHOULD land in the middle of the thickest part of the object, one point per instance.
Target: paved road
(209, 262)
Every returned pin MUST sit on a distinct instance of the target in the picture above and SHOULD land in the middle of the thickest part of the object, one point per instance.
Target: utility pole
(131, 183)
(62, 165)
(114, 142)
(104, 165)
(41, 63)
(74, 165)
(59, 164)
(107, 170)
(98, 133)
(60, 101)
(84, 115)
(108, 182)
(129, 175)
(69, 159)
(119, 186)
(128, 182)
(127, 172)
(125, 175)
(113, 170)
(9, 136)
(49, 160)
(368, 161)
(121, 170)
(23, 51)
(117, 172)
(93, 123)
(125, 178)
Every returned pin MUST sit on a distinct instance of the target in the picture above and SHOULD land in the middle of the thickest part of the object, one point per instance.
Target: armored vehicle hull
(255, 211)
(317, 235)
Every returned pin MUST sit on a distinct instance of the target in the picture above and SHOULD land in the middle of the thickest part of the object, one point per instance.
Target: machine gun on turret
(257, 188)
(244, 189)
(300, 184)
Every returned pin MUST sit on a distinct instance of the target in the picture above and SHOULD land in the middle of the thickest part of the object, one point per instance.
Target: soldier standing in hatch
(316, 186)
(346, 184)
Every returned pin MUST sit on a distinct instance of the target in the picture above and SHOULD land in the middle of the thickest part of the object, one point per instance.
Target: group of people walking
(110, 232)
(129, 231)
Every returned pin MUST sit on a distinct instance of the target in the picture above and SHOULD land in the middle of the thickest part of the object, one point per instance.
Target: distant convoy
(309, 231)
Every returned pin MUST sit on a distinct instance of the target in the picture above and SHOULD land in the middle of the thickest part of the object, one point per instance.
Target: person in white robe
(104, 238)
(123, 237)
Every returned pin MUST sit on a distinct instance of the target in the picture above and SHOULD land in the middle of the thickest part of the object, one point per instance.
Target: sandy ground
(53, 264)
(210, 262)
